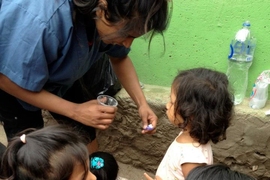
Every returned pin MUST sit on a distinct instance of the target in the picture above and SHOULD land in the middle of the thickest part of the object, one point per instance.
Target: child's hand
(147, 176)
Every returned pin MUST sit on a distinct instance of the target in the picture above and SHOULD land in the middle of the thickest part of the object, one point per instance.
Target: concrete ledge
(247, 148)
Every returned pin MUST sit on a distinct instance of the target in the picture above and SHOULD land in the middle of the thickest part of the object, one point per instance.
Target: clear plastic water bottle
(239, 61)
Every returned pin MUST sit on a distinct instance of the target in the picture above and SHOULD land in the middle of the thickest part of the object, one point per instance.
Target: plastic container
(259, 94)
(240, 59)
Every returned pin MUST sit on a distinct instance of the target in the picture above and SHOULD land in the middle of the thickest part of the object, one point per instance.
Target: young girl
(201, 106)
(51, 153)
(103, 165)
(217, 171)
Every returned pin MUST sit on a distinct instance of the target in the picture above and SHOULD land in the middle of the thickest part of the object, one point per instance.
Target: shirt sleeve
(192, 154)
(27, 44)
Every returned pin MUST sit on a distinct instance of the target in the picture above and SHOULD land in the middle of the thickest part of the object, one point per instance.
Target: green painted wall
(199, 35)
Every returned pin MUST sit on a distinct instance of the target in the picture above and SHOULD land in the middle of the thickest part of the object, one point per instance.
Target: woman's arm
(125, 71)
(89, 113)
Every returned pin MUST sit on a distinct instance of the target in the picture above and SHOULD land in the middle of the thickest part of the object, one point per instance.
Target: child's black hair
(48, 153)
(103, 165)
(216, 172)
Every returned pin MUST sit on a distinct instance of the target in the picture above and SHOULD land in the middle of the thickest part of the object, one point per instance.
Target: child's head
(54, 152)
(214, 172)
(103, 165)
(201, 103)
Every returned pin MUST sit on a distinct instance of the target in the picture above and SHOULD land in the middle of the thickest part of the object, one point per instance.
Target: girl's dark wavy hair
(49, 153)
(140, 15)
(204, 101)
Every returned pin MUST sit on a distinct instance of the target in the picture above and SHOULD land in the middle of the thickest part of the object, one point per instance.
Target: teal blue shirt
(42, 48)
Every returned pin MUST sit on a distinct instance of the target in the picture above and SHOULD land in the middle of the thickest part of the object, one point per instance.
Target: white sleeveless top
(180, 153)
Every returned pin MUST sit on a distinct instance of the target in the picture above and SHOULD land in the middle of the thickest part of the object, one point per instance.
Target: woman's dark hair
(205, 103)
(216, 172)
(140, 15)
(48, 153)
(109, 170)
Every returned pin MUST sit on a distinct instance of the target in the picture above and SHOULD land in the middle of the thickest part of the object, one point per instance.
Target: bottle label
(244, 49)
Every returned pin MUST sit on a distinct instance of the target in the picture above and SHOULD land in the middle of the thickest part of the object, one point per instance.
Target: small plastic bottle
(259, 95)
(239, 61)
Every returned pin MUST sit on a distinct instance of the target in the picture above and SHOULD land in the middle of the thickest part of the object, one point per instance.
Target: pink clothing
(180, 153)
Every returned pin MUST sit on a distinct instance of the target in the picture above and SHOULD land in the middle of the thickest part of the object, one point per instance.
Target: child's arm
(150, 178)
(187, 167)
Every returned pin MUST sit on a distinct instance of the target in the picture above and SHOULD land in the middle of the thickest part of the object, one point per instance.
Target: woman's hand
(93, 114)
(148, 117)
(89, 113)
